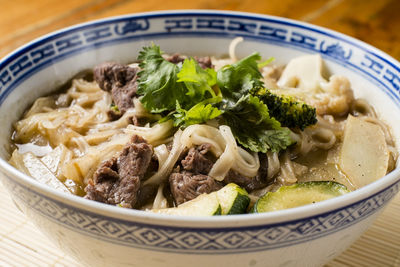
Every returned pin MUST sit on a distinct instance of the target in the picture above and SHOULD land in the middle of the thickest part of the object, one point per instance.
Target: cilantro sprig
(188, 95)
(198, 81)
(197, 114)
(158, 82)
(254, 128)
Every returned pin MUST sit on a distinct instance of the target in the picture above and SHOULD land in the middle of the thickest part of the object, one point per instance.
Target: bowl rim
(289, 215)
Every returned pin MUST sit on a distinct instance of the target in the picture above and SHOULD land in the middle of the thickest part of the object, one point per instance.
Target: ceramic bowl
(101, 235)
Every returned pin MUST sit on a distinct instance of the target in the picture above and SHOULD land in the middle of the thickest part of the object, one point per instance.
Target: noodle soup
(204, 136)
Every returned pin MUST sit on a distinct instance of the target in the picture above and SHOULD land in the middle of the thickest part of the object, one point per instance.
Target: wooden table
(375, 22)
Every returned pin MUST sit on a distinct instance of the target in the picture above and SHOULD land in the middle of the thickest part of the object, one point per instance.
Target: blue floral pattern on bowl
(77, 40)
(198, 240)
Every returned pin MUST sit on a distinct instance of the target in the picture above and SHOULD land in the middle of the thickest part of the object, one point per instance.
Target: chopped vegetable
(253, 128)
(303, 78)
(305, 72)
(158, 82)
(192, 95)
(203, 205)
(239, 78)
(289, 112)
(197, 80)
(114, 108)
(231, 199)
(35, 168)
(298, 195)
(185, 91)
(197, 114)
(242, 111)
(364, 155)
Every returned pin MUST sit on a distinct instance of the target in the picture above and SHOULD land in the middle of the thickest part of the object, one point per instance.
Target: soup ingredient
(231, 199)
(158, 83)
(192, 180)
(208, 128)
(203, 205)
(120, 81)
(199, 113)
(300, 194)
(305, 72)
(243, 110)
(288, 111)
(198, 81)
(266, 134)
(56, 157)
(204, 62)
(117, 180)
(34, 167)
(194, 95)
(303, 78)
(186, 186)
(364, 156)
(239, 78)
(251, 183)
(185, 90)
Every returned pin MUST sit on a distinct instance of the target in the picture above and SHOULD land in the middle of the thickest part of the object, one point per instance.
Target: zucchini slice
(233, 199)
(299, 194)
(203, 205)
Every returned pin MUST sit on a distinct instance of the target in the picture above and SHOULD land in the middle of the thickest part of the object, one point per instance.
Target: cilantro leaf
(265, 63)
(198, 81)
(239, 78)
(158, 83)
(162, 83)
(186, 91)
(253, 127)
(199, 113)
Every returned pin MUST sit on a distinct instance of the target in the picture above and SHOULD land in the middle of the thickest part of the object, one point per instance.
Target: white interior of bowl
(45, 80)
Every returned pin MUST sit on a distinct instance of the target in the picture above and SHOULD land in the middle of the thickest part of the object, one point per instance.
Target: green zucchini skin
(300, 194)
(203, 205)
(231, 199)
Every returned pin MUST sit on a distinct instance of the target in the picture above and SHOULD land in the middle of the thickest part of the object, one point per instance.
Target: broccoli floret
(289, 112)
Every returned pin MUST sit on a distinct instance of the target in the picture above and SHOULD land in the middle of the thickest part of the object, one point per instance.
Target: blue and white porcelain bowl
(102, 235)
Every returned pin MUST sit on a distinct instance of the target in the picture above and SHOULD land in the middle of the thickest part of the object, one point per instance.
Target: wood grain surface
(376, 22)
